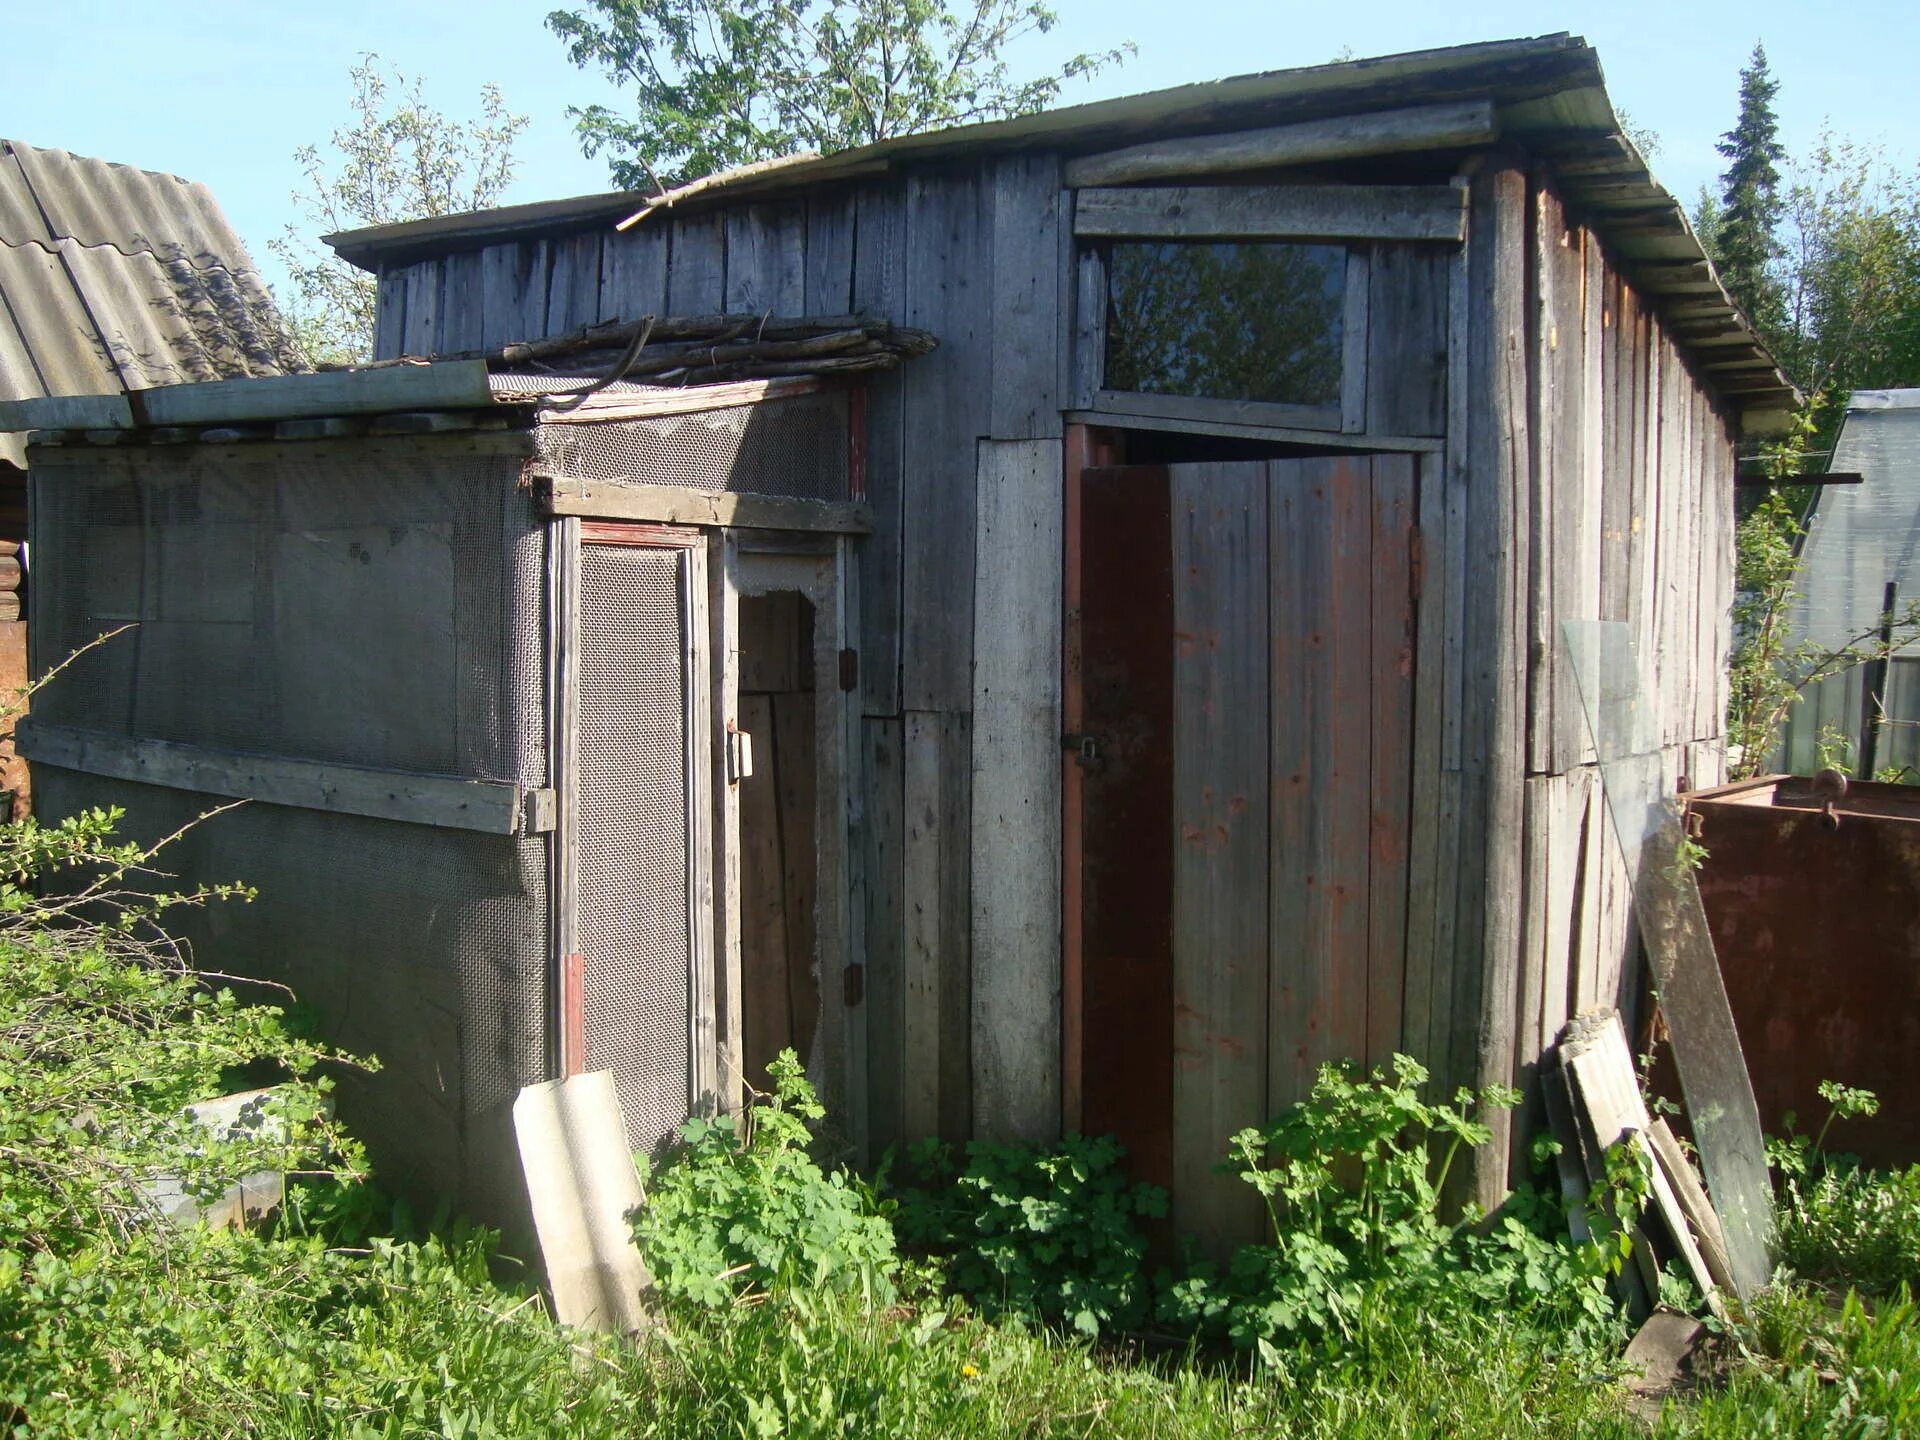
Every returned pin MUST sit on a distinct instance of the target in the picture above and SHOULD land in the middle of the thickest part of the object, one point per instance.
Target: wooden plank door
(1244, 668)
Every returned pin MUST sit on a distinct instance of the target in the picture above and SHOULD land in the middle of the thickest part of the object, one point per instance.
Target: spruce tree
(1747, 240)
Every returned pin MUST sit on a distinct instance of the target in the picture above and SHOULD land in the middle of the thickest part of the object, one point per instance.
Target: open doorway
(779, 818)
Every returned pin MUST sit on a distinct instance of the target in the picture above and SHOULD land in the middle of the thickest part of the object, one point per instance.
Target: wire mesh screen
(424, 947)
(631, 832)
(377, 611)
(795, 447)
(366, 606)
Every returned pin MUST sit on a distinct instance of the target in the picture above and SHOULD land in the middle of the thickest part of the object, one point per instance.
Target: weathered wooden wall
(1585, 475)
(960, 758)
(1596, 480)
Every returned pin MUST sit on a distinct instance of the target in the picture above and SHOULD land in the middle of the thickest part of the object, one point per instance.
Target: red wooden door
(1244, 669)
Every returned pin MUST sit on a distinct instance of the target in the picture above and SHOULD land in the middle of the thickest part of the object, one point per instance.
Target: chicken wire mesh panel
(794, 447)
(631, 833)
(376, 609)
(424, 947)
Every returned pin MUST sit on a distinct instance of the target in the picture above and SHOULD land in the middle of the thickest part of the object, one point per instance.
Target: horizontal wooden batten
(677, 505)
(1345, 137)
(67, 412)
(1273, 212)
(446, 385)
(1276, 434)
(445, 801)
(1207, 408)
(674, 400)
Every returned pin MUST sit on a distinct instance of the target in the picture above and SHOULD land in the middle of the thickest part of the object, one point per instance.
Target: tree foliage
(1747, 236)
(397, 158)
(719, 83)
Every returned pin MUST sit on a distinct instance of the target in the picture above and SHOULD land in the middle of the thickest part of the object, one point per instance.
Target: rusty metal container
(1814, 907)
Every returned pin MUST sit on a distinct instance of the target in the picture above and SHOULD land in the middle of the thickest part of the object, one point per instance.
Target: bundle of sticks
(704, 349)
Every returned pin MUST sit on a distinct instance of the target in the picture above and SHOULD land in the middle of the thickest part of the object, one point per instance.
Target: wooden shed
(1092, 724)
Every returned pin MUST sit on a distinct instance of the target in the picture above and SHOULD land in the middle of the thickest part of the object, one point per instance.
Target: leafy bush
(741, 1207)
(1839, 1222)
(1353, 1200)
(1050, 1234)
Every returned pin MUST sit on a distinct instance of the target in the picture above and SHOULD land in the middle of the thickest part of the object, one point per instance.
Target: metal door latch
(1084, 748)
(739, 756)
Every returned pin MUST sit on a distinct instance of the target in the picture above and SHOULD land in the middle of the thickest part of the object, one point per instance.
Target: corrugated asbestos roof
(1549, 92)
(113, 278)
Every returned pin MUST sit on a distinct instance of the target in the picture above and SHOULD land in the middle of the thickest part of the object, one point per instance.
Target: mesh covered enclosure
(379, 611)
(1863, 539)
(794, 446)
(631, 832)
(370, 607)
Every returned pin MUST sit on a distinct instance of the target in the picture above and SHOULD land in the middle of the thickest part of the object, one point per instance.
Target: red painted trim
(1072, 839)
(857, 442)
(653, 537)
(573, 1016)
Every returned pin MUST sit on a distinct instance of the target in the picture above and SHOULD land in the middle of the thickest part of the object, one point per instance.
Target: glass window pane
(1235, 321)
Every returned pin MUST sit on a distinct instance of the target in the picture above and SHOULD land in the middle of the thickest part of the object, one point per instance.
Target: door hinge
(739, 756)
(849, 669)
(854, 984)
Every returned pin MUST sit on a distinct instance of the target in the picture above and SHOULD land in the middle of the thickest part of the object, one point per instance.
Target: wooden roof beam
(1452, 126)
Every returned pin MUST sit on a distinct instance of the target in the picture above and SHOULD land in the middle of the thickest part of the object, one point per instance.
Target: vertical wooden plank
(879, 290)
(390, 315)
(884, 840)
(937, 767)
(696, 264)
(1494, 729)
(463, 305)
(633, 272)
(1616, 460)
(424, 280)
(1124, 641)
(829, 254)
(513, 288)
(813, 960)
(573, 283)
(949, 290)
(1356, 341)
(1220, 780)
(1089, 327)
(1586, 543)
(1027, 295)
(766, 1009)
(766, 259)
(723, 609)
(1407, 340)
(1392, 704)
(1321, 527)
(1547, 418)
(1429, 853)
(1016, 792)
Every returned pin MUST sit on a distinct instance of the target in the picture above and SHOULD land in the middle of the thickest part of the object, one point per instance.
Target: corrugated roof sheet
(113, 278)
(1549, 93)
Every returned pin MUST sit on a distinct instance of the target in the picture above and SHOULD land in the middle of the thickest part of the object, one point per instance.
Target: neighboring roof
(1864, 536)
(116, 279)
(1549, 93)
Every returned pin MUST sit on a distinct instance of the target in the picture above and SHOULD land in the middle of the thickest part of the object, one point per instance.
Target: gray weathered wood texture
(1569, 466)
(1291, 212)
(441, 800)
(1015, 792)
(1384, 132)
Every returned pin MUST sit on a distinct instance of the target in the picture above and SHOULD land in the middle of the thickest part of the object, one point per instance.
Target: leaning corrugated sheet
(113, 278)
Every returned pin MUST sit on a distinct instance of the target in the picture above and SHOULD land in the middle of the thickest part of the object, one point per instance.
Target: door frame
(566, 538)
(819, 567)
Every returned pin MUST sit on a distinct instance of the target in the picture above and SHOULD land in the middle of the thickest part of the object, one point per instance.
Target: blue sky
(224, 92)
